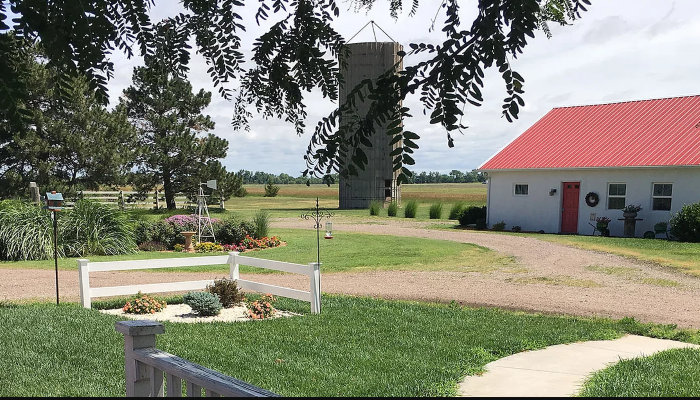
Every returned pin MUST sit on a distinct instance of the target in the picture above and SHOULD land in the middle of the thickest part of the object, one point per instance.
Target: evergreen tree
(68, 141)
(173, 149)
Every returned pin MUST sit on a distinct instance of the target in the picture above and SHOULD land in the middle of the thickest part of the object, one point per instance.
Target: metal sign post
(54, 203)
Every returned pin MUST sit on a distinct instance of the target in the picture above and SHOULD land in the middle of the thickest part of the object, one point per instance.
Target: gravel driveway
(551, 278)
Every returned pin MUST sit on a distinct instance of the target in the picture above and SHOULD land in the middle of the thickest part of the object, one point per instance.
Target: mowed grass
(356, 347)
(346, 252)
(670, 373)
(684, 257)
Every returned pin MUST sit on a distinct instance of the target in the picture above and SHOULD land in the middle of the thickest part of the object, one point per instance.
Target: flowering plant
(143, 304)
(249, 244)
(631, 208)
(603, 220)
(261, 308)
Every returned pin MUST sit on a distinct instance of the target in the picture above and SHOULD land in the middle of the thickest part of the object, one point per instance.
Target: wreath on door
(592, 199)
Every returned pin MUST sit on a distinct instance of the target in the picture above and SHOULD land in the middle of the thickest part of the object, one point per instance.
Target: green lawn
(670, 373)
(355, 347)
(345, 252)
(683, 257)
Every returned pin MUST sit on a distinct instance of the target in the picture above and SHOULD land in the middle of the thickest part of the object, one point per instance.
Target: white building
(643, 153)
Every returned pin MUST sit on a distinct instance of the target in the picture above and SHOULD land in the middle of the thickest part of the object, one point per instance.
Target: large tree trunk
(169, 192)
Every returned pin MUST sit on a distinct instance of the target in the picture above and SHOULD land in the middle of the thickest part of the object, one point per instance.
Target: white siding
(540, 211)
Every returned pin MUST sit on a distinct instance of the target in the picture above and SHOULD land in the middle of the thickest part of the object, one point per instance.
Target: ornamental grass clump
(392, 209)
(143, 304)
(374, 207)
(411, 209)
(261, 308)
(204, 304)
(261, 220)
(455, 210)
(435, 211)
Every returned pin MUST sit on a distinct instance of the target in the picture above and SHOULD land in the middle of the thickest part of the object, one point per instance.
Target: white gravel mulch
(183, 313)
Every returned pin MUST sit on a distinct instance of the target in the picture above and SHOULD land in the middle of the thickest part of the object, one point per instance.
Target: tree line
(455, 176)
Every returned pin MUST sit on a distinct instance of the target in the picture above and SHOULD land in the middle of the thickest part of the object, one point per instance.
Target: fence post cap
(139, 327)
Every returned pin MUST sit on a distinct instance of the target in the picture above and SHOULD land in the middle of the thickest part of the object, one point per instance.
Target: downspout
(488, 200)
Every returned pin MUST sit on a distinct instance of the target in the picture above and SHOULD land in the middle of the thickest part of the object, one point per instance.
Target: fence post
(156, 199)
(315, 275)
(121, 200)
(34, 192)
(233, 265)
(84, 282)
(140, 378)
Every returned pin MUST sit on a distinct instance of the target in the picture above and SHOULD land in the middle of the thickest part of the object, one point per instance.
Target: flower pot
(601, 226)
(629, 215)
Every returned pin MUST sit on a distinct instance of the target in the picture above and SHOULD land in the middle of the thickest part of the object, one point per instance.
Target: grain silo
(378, 180)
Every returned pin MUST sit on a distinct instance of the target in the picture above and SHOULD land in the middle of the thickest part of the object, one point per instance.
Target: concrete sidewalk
(559, 370)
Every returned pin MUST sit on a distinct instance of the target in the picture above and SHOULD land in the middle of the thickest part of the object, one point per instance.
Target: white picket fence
(233, 259)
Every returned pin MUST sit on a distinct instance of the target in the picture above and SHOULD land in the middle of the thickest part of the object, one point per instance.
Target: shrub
(179, 248)
(499, 226)
(261, 220)
(411, 209)
(517, 228)
(374, 207)
(435, 211)
(26, 232)
(208, 247)
(143, 304)
(471, 214)
(227, 290)
(153, 246)
(481, 224)
(158, 231)
(392, 210)
(232, 230)
(203, 303)
(455, 210)
(271, 189)
(94, 228)
(685, 224)
(261, 308)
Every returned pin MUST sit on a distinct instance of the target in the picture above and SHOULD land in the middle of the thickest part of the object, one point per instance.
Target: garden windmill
(204, 226)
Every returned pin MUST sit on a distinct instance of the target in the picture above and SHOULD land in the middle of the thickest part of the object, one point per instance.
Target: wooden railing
(144, 366)
(233, 259)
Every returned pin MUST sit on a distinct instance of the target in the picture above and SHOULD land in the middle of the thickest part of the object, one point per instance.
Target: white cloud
(620, 50)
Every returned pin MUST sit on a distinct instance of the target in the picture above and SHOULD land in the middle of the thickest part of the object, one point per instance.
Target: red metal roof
(660, 132)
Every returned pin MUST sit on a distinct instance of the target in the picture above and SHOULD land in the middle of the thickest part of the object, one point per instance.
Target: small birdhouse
(54, 201)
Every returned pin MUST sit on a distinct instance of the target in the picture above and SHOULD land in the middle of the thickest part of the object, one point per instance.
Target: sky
(620, 50)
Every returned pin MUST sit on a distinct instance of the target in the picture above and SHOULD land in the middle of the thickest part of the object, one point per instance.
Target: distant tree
(271, 190)
(230, 185)
(172, 148)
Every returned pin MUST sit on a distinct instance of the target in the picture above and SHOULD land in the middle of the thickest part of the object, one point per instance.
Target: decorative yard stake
(54, 203)
(317, 215)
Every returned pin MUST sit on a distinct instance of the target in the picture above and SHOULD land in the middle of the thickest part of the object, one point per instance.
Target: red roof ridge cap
(626, 101)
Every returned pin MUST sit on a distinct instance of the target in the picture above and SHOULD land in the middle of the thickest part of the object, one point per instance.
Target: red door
(569, 212)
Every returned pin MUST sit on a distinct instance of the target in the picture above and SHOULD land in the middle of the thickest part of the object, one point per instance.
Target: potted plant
(630, 211)
(601, 223)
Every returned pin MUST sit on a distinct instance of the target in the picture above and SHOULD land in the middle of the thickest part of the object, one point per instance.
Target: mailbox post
(54, 203)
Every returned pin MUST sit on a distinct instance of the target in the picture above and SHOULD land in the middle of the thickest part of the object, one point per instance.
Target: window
(521, 189)
(616, 196)
(661, 196)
